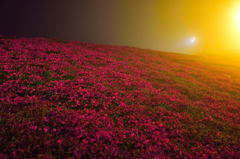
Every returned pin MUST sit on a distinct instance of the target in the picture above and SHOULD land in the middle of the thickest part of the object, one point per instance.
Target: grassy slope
(192, 98)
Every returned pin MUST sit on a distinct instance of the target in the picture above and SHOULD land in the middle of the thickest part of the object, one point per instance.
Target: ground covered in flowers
(66, 99)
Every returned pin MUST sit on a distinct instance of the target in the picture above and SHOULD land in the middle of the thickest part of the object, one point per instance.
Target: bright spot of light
(236, 18)
(192, 40)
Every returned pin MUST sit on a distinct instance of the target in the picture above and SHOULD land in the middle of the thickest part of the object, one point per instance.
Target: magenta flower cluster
(78, 100)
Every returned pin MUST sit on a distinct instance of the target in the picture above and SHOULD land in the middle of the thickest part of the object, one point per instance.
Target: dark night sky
(92, 21)
(170, 25)
(121, 22)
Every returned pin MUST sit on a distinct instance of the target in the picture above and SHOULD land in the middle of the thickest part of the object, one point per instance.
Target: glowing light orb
(192, 40)
(236, 18)
(232, 33)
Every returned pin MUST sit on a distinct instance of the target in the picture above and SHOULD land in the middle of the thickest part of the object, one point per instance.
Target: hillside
(66, 99)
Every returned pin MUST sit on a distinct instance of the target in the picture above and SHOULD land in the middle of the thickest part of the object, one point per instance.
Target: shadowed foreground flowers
(77, 100)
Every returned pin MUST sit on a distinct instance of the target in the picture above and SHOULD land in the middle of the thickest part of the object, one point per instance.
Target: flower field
(68, 99)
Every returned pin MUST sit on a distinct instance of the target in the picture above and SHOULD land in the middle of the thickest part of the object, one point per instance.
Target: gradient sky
(189, 26)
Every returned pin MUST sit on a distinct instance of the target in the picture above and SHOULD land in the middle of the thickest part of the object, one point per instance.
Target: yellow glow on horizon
(206, 27)
(236, 18)
(232, 27)
(236, 25)
(215, 25)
